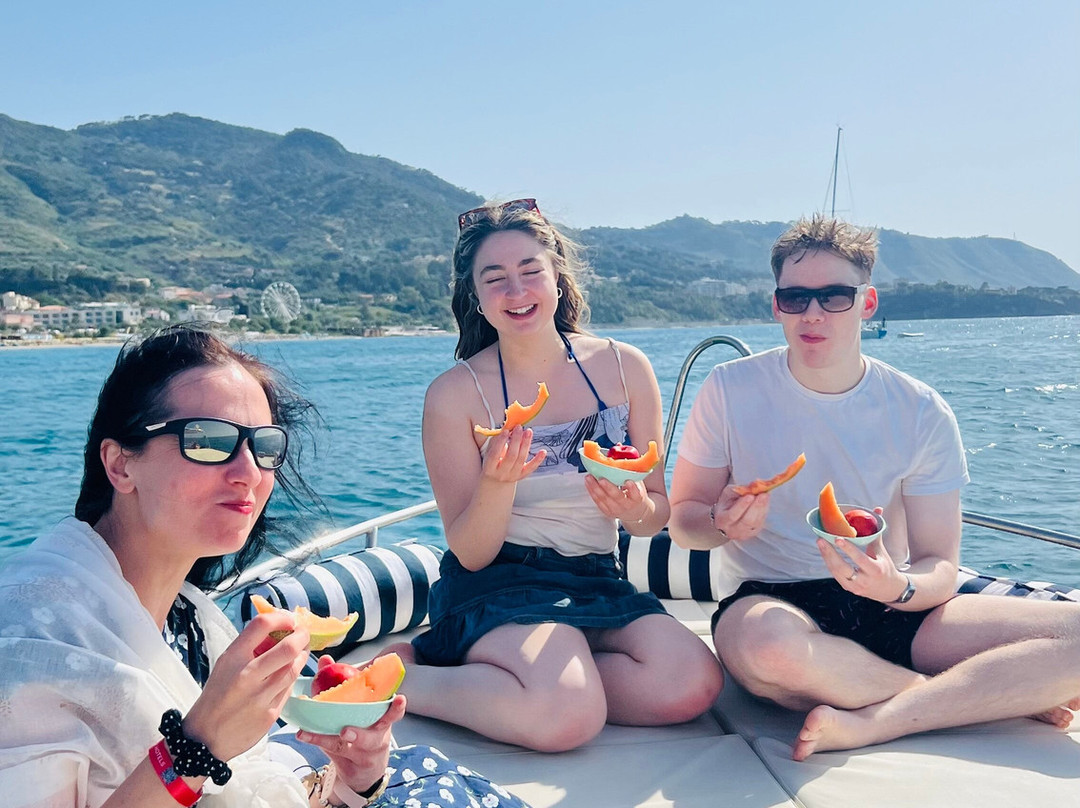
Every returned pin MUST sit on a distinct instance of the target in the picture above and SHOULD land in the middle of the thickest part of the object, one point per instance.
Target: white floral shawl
(85, 676)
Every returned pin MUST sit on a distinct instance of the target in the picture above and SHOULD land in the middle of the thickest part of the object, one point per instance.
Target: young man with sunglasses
(873, 643)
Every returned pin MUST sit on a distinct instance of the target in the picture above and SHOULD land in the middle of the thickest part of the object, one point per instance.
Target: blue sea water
(1014, 384)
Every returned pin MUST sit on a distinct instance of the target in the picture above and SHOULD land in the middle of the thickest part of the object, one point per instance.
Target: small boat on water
(738, 753)
(870, 331)
(911, 333)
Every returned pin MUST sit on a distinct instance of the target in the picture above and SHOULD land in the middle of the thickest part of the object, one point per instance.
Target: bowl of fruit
(832, 520)
(342, 695)
(620, 463)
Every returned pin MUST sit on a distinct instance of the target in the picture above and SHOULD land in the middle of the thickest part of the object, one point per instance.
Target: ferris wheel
(281, 301)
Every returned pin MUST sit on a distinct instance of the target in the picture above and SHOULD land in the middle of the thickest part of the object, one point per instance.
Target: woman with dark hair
(112, 647)
(536, 639)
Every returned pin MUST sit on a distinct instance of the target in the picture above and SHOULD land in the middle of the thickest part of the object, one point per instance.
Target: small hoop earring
(479, 310)
(558, 293)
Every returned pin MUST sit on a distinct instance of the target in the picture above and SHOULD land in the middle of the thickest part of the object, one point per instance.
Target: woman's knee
(564, 720)
(693, 684)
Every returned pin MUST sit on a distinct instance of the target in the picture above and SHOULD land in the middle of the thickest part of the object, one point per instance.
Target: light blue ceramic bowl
(813, 518)
(610, 473)
(329, 717)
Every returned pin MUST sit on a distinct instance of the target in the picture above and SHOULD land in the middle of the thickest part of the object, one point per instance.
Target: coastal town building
(13, 301)
(206, 314)
(87, 315)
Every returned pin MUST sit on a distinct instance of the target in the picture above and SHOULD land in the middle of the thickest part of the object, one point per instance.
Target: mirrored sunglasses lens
(270, 447)
(209, 441)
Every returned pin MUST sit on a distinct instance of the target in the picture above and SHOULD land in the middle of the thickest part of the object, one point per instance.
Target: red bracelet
(177, 788)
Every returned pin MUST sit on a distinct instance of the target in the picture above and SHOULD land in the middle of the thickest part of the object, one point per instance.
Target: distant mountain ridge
(741, 250)
(189, 201)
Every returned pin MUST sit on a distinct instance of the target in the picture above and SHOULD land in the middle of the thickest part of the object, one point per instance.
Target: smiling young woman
(535, 634)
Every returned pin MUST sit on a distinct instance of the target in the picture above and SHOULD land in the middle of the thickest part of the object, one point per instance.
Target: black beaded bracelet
(191, 758)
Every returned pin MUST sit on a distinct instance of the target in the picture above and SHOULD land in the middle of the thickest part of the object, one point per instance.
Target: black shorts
(880, 629)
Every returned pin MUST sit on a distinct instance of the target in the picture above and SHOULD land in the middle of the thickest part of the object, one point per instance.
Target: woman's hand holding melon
(507, 457)
(248, 686)
(629, 503)
(360, 755)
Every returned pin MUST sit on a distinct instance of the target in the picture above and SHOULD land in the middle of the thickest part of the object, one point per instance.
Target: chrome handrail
(369, 529)
(1021, 529)
(684, 372)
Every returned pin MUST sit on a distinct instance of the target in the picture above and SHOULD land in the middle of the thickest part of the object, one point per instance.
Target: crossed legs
(551, 687)
(979, 657)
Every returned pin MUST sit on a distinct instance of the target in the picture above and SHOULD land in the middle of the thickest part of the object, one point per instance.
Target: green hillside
(178, 200)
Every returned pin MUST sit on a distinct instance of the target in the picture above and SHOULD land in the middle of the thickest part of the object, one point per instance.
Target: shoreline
(253, 336)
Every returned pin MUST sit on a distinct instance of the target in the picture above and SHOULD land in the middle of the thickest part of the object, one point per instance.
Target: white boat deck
(739, 754)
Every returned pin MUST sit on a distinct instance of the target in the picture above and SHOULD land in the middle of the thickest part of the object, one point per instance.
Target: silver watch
(908, 593)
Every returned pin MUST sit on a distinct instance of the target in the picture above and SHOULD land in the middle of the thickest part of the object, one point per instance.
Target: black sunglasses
(471, 217)
(213, 441)
(796, 299)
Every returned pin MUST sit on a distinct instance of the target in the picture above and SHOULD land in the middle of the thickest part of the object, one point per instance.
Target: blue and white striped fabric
(387, 586)
(972, 582)
(658, 565)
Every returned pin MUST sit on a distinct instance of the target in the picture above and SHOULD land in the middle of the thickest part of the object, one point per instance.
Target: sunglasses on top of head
(215, 441)
(836, 298)
(471, 217)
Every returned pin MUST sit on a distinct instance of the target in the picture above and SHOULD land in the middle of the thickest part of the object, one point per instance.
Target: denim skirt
(526, 585)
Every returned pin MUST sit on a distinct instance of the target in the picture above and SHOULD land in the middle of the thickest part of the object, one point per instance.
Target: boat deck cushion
(658, 565)
(1000, 763)
(388, 586)
(691, 765)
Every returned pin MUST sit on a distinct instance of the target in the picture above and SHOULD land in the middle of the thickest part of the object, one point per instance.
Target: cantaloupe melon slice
(324, 631)
(761, 486)
(517, 414)
(832, 518)
(645, 462)
(378, 681)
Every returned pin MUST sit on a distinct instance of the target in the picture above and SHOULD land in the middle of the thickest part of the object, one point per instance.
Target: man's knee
(764, 645)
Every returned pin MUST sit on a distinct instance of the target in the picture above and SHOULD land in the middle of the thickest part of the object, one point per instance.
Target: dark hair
(474, 331)
(135, 394)
(854, 244)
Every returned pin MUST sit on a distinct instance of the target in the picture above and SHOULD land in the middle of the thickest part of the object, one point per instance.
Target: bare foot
(1061, 717)
(827, 728)
(403, 650)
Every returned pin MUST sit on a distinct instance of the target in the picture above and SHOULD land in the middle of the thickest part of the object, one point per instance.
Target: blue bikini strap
(569, 356)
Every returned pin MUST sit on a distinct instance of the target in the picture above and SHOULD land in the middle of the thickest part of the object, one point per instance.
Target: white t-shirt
(890, 435)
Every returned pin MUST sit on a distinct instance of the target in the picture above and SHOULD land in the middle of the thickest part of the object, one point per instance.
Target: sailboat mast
(835, 171)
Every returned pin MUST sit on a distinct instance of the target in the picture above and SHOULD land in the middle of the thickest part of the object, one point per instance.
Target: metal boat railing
(369, 529)
(684, 373)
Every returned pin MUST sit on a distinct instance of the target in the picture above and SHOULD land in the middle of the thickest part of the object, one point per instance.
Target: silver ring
(854, 575)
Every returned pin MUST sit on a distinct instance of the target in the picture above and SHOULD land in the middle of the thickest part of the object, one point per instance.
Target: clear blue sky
(960, 118)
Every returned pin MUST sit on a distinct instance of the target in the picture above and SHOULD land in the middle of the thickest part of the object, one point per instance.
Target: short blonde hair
(844, 240)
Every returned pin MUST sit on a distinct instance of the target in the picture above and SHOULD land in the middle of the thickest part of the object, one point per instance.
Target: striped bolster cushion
(970, 581)
(387, 586)
(656, 564)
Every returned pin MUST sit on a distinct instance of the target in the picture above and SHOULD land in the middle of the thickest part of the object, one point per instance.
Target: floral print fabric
(423, 777)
